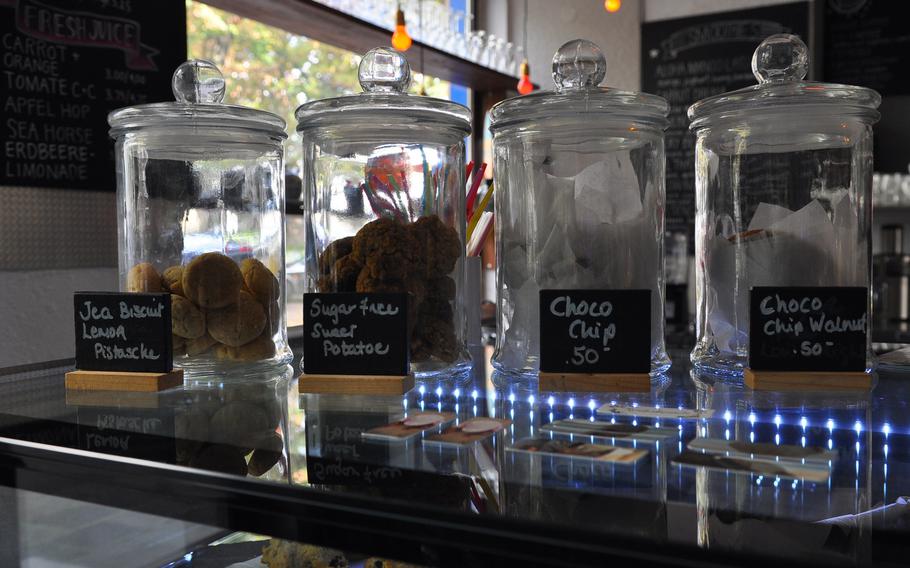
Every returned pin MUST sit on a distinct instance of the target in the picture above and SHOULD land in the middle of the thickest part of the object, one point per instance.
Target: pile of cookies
(218, 309)
(387, 255)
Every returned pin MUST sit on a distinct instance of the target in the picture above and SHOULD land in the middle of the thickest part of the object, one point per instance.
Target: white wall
(36, 308)
(551, 23)
(53, 242)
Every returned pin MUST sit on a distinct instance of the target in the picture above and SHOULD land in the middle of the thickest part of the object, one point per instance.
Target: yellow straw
(478, 211)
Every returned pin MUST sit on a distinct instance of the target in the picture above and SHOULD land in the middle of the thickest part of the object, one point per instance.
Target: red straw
(468, 168)
(475, 184)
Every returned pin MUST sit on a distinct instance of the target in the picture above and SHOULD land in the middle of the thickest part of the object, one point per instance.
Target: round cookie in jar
(201, 200)
(385, 206)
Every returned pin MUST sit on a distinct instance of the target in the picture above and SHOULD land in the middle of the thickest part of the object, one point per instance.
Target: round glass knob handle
(198, 81)
(384, 70)
(578, 64)
(781, 57)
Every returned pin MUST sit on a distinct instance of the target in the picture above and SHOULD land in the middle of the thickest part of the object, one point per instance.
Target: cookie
(386, 248)
(441, 288)
(239, 323)
(439, 245)
(143, 278)
(342, 277)
(212, 281)
(335, 251)
(259, 281)
(172, 280)
(260, 348)
(187, 320)
(200, 345)
(236, 421)
(266, 454)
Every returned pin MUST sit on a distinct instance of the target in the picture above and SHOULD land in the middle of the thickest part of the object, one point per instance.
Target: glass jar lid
(579, 67)
(198, 87)
(385, 76)
(780, 64)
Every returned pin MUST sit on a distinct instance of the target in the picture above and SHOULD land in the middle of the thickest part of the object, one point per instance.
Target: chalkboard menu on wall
(688, 59)
(867, 43)
(64, 65)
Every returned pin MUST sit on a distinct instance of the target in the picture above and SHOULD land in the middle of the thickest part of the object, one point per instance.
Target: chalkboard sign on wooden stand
(123, 343)
(595, 340)
(355, 343)
(808, 338)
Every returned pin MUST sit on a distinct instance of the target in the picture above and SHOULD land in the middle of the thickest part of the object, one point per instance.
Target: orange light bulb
(400, 39)
(525, 85)
(612, 6)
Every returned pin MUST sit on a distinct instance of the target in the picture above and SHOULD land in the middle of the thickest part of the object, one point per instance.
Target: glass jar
(200, 203)
(579, 177)
(783, 194)
(384, 204)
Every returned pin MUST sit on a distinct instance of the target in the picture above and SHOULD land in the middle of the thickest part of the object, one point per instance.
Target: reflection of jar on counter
(201, 208)
(238, 427)
(783, 184)
(402, 229)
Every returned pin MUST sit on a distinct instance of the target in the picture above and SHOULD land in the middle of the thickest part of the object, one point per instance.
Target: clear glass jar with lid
(783, 194)
(384, 204)
(579, 177)
(200, 188)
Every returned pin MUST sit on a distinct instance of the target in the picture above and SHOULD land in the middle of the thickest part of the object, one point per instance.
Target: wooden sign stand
(123, 381)
(355, 384)
(807, 380)
(594, 382)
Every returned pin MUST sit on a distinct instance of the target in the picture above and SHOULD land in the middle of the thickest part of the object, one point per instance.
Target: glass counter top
(699, 469)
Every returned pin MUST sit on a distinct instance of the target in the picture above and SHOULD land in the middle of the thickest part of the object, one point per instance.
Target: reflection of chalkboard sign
(685, 60)
(595, 331)
(138, 433)
(123, 332)
(808, 328)
(355, 334)
(867, 44)
(337, 454)
(65, 65)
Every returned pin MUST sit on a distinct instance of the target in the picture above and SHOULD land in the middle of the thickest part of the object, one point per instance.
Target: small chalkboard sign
(355, 334)
(595, 331)
(123, 332)
(808, 328)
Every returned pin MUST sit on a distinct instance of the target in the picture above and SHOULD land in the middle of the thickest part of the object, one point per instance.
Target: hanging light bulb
(400, 39)
(525, 85)
(612, 6)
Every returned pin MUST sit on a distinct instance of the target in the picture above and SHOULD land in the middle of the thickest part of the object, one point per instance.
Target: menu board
(808, 328)
(867, 44)
(355, 334)
(123, 332)
(65, 65)
(595, 331)
(687, 59)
